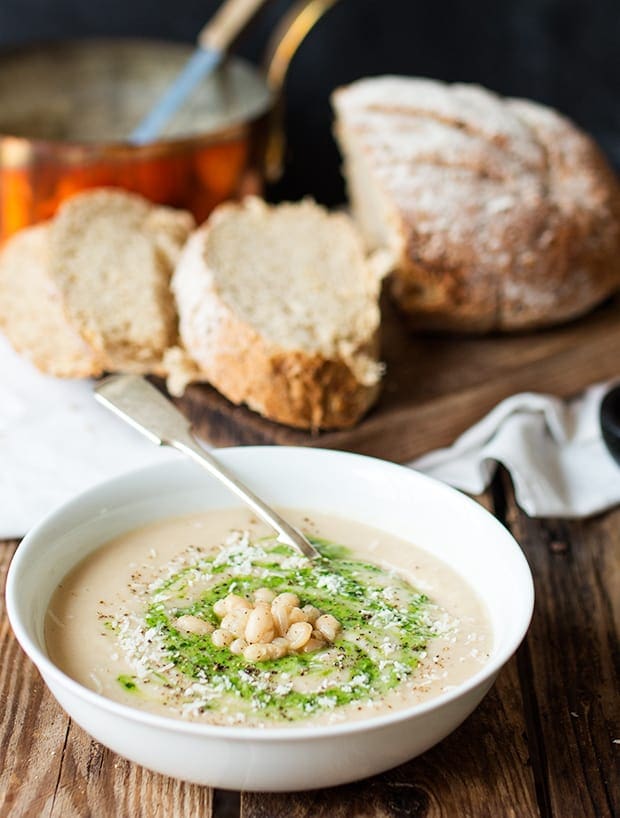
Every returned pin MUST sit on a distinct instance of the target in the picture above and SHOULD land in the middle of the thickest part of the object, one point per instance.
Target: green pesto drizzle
(127, 683)
(386, 624)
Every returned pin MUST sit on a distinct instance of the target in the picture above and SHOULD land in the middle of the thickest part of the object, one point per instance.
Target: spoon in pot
(138, 403)
(213, 41)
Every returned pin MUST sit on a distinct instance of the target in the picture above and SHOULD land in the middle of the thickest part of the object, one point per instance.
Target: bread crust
(290, 386)
(504, 215)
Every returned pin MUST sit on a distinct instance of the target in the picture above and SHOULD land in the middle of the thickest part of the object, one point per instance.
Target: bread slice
(111, 257)
(501, 214)
(278, 307)
(31, 310)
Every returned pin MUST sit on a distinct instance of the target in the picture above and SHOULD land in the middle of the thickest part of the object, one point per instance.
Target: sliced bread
(31, 310)
(278, 307)
(111, 257)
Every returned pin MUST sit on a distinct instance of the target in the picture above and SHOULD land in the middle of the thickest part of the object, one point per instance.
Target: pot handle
(290, 32)
(230, 18)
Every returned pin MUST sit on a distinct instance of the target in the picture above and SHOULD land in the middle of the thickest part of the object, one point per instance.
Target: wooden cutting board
(435, 386)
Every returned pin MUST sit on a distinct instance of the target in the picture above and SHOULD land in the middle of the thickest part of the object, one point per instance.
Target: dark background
(561, 52)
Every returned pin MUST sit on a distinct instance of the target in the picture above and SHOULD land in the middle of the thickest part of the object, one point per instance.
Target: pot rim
(16, 149)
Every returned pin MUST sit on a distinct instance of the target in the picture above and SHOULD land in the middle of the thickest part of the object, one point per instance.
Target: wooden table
(545, 741)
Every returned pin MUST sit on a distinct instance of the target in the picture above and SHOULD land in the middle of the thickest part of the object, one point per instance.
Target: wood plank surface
(32, 727)
(435, 386)
(570, 664)
(96, 782)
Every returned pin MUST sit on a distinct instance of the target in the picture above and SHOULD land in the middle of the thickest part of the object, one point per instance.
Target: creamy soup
(207, 617)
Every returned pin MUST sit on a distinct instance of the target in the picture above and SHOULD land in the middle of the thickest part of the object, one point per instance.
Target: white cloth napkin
(56, 441)
(553, 450)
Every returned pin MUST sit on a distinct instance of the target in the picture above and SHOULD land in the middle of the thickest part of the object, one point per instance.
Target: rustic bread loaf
(278, 307)
(500, 213)
(31, 310)
(111, 257)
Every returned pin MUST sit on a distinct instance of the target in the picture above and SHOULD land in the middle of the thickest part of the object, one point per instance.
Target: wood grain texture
(32, 728)
(569, 666)
(96, 782)
(50, 768)
(435, 386)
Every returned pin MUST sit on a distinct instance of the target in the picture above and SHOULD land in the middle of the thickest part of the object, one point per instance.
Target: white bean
(280, 618)
(236, 622)
(296, 615)
(312, 613)
(221, 638)
(298, 634)
(270, 628)
(279, 647)
(257, 653)
(264, 595)
(237, 603)
(260, 625)
(220, 608)
(287, 599)
(193, 624)
(328, 625)
(281, 607)
(237, 646)
(312, 645)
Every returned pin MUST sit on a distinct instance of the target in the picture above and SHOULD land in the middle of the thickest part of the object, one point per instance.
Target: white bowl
(380, 494)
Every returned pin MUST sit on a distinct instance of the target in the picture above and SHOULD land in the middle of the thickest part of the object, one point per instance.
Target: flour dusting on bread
(501, 213)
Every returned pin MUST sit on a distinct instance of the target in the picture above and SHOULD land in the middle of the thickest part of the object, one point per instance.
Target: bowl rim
(48, 669)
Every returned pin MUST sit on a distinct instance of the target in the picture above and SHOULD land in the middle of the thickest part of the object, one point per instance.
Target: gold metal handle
(289, 35)
(227, 22)
(283, 45)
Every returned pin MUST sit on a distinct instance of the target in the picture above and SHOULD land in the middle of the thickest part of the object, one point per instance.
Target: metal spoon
(146, 409)
(213, 41)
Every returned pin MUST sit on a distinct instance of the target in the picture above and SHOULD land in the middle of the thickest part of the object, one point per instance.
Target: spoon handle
(142, 406)
(213, 42)
(230, 18)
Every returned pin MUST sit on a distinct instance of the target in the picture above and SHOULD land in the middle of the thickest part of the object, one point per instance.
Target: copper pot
(66, 110)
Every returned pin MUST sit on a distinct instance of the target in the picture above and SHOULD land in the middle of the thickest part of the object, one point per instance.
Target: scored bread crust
(500, 213)
(296, 387)
(31, 310)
